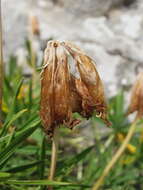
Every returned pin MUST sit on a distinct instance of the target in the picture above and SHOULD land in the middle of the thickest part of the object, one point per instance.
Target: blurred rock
(84, 7)
(109, 30)
(90, 7)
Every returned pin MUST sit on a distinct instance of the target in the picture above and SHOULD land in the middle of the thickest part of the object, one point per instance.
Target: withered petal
(61, 87)
(47, 94)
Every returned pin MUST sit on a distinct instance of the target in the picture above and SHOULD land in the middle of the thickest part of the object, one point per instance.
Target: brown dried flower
(70, 83)
(136, 102)
(34, 25)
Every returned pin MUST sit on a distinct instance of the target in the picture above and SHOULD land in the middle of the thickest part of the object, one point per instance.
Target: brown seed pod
(136, 102)
(34, 25)
(70, 83)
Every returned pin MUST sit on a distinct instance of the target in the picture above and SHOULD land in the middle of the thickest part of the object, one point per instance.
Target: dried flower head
(136, 102)
(34, 25)
(70, 83)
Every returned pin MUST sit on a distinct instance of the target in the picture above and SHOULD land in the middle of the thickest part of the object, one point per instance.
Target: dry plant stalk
(69, 83)
(55, 144)
(130, 147)
(34, 37)
(136, 102)
(35, 29)
(116, 157)
(1, 64)
(54, 154)
(34, 33)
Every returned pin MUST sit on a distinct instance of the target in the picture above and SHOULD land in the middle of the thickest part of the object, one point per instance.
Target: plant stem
(54, 155)
(115, 158)
(107, 143)
(1, 64)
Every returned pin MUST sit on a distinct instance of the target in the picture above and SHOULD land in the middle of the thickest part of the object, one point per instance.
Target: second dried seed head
(136, 102)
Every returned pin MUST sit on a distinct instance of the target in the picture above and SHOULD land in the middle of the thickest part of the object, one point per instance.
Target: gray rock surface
(108, 30)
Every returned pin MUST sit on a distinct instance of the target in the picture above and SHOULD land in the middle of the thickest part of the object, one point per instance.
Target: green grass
(25, 150)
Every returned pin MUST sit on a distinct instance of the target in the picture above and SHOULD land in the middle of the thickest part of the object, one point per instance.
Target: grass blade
(42, 182)
(14, 117)
(42, 158)
(4, 175)
(9, 150)
(66, 167)
(11, 112)
(24, 167)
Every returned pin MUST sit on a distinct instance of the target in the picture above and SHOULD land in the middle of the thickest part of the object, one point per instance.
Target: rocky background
(110, 31)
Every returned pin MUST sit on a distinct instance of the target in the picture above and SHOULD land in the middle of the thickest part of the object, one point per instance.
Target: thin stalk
(33, 54)
(115, 158)
(1, 64)
(55, 144)
(96, 136)
(107, 143)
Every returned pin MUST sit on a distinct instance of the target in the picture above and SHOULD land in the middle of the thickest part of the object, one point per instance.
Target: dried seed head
(34, 25)
(136, 102)
(70, 83)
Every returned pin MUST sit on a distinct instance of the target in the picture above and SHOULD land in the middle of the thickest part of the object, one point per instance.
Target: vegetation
(25, 150)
